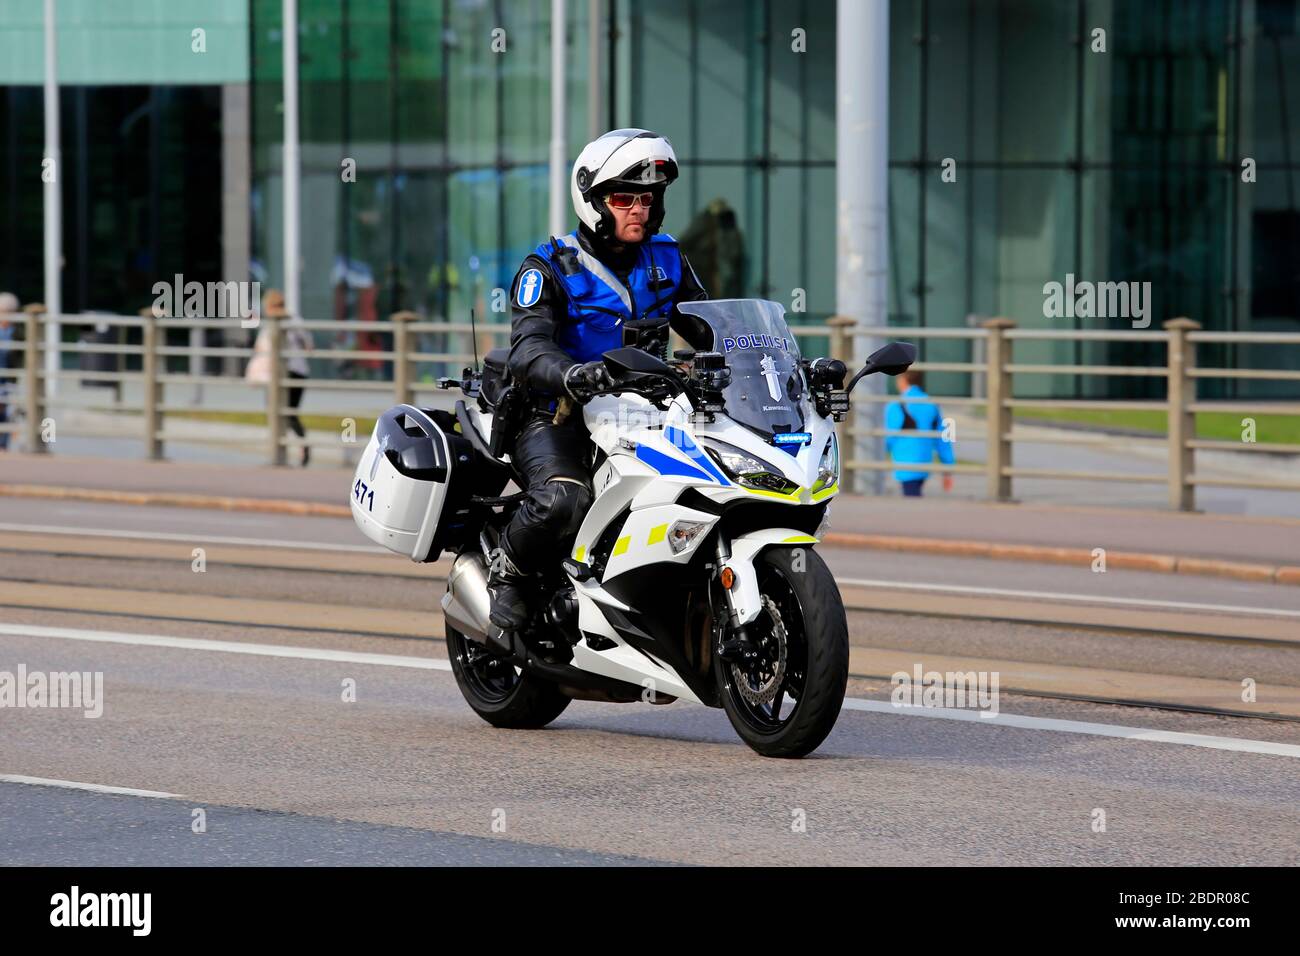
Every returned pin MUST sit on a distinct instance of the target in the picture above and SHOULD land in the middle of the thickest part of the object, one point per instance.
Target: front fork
(738, 648)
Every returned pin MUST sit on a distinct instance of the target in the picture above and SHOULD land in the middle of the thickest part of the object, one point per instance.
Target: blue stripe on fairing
(668, 465)
(693, 451)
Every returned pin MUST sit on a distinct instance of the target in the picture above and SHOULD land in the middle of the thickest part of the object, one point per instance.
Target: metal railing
(999, 402)
(152, 354)
(992, 344)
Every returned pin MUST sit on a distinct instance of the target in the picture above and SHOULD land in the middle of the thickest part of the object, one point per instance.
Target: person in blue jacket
(915, 412)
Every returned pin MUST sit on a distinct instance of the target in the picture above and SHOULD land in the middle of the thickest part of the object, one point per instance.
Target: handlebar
(647, 385)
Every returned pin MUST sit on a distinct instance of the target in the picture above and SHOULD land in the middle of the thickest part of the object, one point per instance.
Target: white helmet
(622, 158)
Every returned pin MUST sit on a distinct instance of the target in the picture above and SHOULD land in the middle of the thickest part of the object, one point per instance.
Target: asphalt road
(287, 770)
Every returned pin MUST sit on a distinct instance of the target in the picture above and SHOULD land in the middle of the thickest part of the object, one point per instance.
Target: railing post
(32, 379)
(841, 347)
(274, 389)
(998, 416)
(1182, 421)
(841, 342)
(152, 387)
(402, 391)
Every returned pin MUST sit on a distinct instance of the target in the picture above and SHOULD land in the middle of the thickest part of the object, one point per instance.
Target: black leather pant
(541, 530)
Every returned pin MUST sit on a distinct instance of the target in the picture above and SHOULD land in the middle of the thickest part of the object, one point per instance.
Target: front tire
(496, 690)
(785, 704)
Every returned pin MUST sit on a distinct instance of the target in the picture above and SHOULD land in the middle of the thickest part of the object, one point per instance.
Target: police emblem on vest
(599, 304)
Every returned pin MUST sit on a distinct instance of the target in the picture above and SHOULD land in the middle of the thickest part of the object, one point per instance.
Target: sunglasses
(625, 200)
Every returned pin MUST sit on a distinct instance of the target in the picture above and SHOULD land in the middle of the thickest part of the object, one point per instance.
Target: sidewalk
(1208, 536)
(1221, 545)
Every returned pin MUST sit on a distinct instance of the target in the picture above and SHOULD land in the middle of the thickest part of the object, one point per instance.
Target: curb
(1126, 560)
(278, 506)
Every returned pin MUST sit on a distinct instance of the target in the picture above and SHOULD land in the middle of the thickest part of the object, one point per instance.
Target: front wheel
(497, 691)
(784, 703)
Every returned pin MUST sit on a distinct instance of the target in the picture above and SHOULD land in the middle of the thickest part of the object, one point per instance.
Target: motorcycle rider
(613, 281)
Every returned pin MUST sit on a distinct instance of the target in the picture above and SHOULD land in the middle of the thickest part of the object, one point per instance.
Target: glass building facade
(1030, 140)
(142, 140)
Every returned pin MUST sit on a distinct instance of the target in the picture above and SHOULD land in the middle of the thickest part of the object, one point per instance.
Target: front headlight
(744, 469)
(828, 469)
(737, 463)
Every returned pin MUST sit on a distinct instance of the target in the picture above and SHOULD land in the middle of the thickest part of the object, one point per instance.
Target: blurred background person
(11, 355)
(716, 248)
(295, 339)
(915, 412)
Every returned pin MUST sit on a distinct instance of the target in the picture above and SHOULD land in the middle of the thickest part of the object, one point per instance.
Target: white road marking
(92, 787)
(227, 647)
(1238, 744)
(209, 517)
(196, 537)
(1057, 596)
(1079, 727)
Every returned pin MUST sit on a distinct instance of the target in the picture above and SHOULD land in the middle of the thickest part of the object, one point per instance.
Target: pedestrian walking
(916, 411)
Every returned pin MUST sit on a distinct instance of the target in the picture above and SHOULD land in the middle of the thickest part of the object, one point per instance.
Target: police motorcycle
(693, 574)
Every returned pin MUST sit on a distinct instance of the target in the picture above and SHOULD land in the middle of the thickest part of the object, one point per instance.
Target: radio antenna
(473, 334)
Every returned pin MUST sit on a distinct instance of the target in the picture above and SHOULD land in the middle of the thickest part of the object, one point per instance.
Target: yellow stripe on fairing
(799, 539)
(793, 496)
(817, 496)
(620, 546)
(658, 533)
(580, 553)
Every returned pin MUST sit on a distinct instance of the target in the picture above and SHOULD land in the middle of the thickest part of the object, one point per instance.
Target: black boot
(509, 589)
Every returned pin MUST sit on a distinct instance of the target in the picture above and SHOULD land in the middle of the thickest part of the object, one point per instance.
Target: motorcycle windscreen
(767, 385)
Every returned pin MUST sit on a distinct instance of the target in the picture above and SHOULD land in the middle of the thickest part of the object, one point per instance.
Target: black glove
(585, 380)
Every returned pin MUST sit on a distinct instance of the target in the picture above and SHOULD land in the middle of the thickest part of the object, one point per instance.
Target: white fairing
(652, 457)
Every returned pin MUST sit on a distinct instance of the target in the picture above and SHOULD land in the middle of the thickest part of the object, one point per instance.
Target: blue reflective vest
(599, 303)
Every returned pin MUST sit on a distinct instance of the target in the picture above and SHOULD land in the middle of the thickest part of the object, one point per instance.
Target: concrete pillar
(559, 171)
(862, 203)
(594, 120)
(292, 164)
(236, 177)
(52, 175)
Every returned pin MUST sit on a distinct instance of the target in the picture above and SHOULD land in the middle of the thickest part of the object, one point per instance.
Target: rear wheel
(785, 702)
(497, 691)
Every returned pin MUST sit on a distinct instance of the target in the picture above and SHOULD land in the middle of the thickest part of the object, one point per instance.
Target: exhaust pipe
(466, 603)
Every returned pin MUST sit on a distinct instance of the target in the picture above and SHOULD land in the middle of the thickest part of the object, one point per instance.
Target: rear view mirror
(893, 358)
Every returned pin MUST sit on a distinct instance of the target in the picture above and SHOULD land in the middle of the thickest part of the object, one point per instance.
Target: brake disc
(765, 692)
